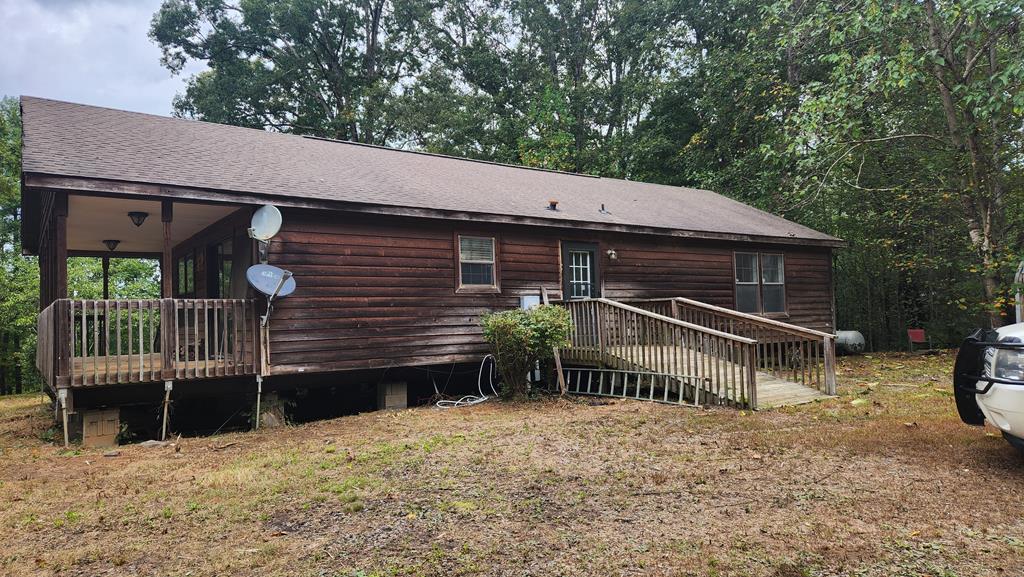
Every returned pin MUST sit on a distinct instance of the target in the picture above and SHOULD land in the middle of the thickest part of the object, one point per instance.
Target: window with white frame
(476, 261)
(773, 283)
(581, 274)
(760, 283)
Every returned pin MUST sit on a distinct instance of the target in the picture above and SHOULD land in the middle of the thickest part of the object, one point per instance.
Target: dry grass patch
(883, 480)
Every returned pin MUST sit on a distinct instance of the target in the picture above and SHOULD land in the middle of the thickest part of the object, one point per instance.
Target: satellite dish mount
(273, 282)
(265, 224)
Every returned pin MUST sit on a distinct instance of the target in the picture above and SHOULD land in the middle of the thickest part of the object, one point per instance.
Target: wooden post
(166, 265)
(107, 278)
(168, 332)
(830, 365)
(751, 362)
(60, 223)
(562, 389)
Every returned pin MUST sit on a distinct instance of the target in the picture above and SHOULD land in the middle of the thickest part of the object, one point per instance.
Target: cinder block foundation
(392, 396)
(100, 427)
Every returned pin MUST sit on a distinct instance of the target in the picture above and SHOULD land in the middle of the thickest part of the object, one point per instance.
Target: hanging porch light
(137, 217)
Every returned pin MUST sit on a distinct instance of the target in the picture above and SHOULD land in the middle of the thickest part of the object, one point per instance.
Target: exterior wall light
(612, 255)
(137, 218)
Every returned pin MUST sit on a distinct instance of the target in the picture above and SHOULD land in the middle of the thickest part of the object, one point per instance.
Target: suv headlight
(1006, 363)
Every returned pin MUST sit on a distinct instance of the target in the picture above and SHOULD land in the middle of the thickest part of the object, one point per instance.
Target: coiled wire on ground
(470, 400)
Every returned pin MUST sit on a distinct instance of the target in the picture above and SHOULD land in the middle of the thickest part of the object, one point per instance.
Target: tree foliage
(19, 281)
(922, 105)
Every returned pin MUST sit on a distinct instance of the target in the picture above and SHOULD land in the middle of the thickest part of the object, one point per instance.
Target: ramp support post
(168, 387)
(259, 394)
(62, 398)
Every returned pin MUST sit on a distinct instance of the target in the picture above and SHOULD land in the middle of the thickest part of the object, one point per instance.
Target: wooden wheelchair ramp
(697, 353)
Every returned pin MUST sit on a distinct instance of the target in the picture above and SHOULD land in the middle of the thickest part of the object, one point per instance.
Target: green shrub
(519, 338)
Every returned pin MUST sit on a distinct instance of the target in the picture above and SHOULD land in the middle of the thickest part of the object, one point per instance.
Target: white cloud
(87, 51)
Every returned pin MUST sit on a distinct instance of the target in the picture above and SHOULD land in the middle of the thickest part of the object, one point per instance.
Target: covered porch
(198, 320)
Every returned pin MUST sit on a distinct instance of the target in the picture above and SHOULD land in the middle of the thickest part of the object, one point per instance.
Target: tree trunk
(980, 178)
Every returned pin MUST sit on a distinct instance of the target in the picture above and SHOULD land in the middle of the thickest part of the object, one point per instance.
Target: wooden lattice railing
(784, 350)
(102, 342)
(709, 365)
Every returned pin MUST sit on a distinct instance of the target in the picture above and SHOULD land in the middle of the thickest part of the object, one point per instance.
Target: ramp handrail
(629, 338)
(785, 350)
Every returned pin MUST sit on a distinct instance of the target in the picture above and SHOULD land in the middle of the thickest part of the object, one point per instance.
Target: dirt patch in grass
(882, 481)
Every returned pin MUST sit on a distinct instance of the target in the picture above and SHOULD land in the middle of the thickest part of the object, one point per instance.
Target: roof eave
(89, 185)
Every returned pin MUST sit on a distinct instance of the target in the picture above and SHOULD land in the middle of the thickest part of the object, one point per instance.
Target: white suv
(988, 381)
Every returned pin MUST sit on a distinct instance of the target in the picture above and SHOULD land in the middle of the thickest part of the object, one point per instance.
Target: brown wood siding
(809, 289)
(379, 291)
(649, 268)
(372, 293)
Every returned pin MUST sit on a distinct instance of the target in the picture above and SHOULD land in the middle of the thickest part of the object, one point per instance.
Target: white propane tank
(849, 342)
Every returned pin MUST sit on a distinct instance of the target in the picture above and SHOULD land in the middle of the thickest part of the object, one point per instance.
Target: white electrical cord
(470, 400)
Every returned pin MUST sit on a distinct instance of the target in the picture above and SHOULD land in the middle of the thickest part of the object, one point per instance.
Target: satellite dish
(266, 222)
(270, 280)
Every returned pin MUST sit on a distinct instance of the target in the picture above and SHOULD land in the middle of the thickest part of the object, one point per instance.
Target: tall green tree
(334, 69)
(19, 276)
(484, 79)
(922, 100)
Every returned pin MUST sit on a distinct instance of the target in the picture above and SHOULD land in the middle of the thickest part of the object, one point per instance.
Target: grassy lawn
(884, 481)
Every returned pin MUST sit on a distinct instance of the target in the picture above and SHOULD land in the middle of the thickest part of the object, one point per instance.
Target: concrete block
(100, 427)
(391, 396)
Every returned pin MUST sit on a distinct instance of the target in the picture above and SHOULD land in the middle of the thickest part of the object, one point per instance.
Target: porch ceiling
(93, 219)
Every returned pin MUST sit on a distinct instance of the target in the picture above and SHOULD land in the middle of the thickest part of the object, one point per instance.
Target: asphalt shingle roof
(65, 139)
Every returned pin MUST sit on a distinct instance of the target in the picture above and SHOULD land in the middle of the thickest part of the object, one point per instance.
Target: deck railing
(784, 350)
(712, 366)
(102, 342)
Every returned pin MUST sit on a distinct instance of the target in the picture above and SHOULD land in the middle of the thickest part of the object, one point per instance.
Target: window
(746, 283)
(580, 274)
(476, 262)
(773, 284)
(186, 267)
(760, 283)
(223, 270)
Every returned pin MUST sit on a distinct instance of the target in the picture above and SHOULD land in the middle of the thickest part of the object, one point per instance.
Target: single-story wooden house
(396, 253)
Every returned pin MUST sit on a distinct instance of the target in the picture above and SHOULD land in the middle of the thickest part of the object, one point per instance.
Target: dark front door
(580, 278)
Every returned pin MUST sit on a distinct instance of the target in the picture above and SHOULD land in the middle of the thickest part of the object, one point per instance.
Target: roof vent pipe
(552, 205)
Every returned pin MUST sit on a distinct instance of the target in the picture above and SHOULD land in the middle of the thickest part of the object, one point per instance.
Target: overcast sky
(87, 51)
